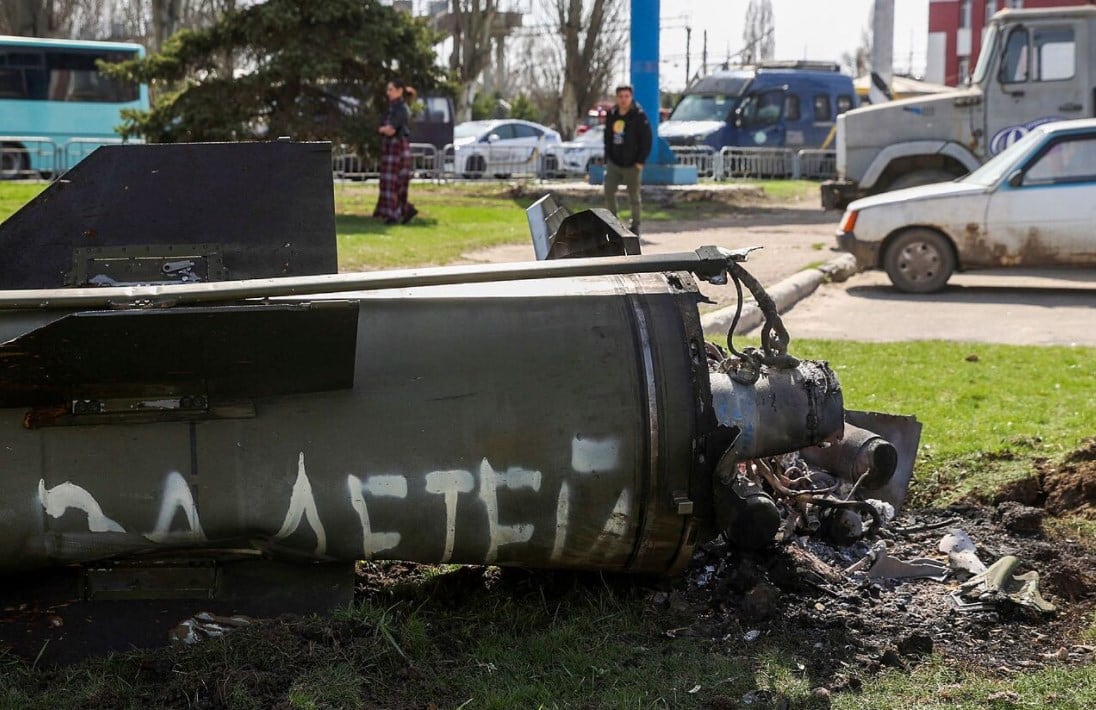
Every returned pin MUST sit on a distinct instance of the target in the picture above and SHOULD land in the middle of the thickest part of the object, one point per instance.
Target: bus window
(75, 76)
(822, 112)
(62, 75)
(844, 103)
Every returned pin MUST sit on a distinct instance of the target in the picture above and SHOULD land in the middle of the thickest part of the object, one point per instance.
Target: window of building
(791, 108)
(1015, 4)
(991, 8)
(964, 13)
(964, 69)
(822, 110)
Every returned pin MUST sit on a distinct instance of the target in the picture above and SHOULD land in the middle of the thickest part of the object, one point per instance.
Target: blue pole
(645, 54)
(661, 166)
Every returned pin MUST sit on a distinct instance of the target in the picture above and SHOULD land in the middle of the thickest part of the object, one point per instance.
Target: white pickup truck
(1036, 66)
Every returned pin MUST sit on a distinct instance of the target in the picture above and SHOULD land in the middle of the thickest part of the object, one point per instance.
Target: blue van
(772, 105)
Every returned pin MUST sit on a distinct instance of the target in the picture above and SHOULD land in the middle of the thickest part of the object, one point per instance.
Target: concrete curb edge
(786, 294)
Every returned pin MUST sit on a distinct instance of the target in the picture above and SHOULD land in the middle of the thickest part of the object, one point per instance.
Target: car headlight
(848, 222)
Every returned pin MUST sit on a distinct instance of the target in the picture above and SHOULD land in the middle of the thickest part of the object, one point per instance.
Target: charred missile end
(745, 513)
(884, 459)
(785, 410)
(856, 453)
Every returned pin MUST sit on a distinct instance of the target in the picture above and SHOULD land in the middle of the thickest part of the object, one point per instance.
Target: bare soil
(1071, 488)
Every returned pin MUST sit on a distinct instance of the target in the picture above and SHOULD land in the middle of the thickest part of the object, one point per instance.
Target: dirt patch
(843, 629)
(1068, 488)
(1071, 487)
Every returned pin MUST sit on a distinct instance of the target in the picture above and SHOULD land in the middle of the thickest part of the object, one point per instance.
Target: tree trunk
(589, 52)
(31, 18)
(473, 22)
(165, 20)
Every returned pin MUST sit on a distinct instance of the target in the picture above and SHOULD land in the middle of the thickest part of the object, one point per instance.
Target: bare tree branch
(759, 35)
(584, 53)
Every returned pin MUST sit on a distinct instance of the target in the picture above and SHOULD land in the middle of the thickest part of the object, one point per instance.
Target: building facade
(955, 34)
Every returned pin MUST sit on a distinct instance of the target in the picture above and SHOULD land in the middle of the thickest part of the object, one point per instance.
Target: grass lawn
(454, 219)
(985, 419)
(565, 640)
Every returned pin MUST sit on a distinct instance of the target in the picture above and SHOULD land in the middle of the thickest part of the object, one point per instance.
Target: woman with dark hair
(396, 163)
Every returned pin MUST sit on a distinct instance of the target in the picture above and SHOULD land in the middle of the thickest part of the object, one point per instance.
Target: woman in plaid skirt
(396, 164)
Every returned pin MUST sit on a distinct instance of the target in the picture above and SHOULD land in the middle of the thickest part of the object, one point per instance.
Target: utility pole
(882, 51)
(704, 56)
(688, 54)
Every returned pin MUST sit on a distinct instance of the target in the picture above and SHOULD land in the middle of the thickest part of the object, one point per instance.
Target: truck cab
(1036, 66)
(772, 105)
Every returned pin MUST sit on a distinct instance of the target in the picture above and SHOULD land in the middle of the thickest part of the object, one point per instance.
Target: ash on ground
(842, 625)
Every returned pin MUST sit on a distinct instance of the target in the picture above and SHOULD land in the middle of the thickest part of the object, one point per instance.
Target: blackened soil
(843, 627)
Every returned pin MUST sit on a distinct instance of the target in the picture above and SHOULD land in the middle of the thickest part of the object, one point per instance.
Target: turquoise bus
(55, 104)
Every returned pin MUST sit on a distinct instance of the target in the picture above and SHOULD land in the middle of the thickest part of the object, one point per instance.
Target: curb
(786, 294)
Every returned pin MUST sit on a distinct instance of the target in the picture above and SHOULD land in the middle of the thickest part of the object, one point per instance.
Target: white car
(500, 148)
(1033, 205)
(577, 156)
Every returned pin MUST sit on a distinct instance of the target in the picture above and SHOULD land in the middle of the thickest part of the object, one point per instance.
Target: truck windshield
(997, 167)
(989, 51)
(704, 107)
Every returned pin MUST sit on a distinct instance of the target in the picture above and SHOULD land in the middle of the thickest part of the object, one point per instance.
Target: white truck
(1036, 66)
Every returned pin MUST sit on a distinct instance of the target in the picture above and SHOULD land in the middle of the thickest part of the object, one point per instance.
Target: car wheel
(475, 166)
(917, 178)
(919, 261)
(551, 166)
(13, 162)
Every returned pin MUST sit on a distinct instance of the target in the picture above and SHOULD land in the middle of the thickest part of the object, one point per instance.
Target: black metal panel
(258, 209)
(215, 353)
(591, 233)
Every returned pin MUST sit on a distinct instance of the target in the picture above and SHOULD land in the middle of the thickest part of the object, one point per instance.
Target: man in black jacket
(627, 145)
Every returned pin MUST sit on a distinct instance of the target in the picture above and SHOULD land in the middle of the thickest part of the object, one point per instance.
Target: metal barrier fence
(19, 156)
(34, 157)
(775, 163)
(756, 163)
(815, 164)
(77, 149)
(472, 162)
(702, 157)
(484, 160)
(346, 165)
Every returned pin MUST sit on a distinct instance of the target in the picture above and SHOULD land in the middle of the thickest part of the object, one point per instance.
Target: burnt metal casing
(180, 213)
(558, 426)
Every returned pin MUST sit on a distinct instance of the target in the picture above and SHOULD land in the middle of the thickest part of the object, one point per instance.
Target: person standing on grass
(627, 145)
(396, 162)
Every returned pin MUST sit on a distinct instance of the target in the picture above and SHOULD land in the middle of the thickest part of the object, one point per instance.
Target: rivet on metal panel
(682, 503)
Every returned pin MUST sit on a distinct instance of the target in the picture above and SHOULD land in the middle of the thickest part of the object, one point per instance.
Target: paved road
(1006, 306)
(791, 236)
